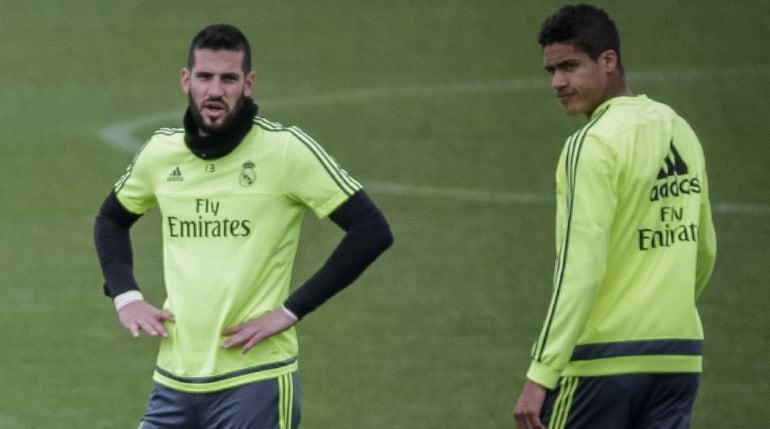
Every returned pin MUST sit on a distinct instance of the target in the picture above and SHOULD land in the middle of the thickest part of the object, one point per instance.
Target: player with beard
(232, 188)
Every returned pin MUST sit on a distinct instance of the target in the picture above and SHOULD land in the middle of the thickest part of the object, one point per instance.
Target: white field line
(487, 196)
(122, 134)
(464, 194)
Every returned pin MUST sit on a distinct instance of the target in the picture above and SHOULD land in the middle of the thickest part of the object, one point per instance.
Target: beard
(229, 115)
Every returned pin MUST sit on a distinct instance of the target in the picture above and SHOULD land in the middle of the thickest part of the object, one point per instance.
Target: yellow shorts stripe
(285, 401)
(563, 402)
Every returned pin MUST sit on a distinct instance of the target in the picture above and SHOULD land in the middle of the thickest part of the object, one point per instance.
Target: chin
(572, 111)
(216, 125)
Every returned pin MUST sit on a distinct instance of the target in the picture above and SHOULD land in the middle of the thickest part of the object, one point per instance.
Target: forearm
(568, 313)
(580, 268)
(367, 237)
(707, 250)
(113, 247)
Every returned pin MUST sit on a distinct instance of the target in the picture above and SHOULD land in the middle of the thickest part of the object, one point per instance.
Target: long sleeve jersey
(635, 247)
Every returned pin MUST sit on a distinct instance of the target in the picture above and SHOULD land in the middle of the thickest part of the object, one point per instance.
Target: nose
(558, 80)
(215, 88)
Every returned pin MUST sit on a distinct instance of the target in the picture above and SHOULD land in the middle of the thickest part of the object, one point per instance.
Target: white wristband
(124, 298)
(289, 313)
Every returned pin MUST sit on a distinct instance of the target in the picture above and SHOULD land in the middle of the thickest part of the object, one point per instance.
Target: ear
(609, 60)
(184, 80)
(251, 83)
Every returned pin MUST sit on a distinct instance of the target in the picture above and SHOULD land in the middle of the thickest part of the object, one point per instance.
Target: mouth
(564, 97)
(214, 109)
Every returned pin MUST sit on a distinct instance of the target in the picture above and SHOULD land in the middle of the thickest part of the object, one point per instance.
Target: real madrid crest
(248, 175)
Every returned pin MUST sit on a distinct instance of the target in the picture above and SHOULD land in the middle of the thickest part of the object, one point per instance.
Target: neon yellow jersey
(230, 233)
(635, 247)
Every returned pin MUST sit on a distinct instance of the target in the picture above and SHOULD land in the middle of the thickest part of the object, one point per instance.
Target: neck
(616, 87)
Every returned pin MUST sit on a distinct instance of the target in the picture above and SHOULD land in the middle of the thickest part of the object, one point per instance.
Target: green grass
(437, 333)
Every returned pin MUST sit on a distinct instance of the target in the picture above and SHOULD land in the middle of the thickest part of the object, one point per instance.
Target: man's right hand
(529, 406)
(137, 316)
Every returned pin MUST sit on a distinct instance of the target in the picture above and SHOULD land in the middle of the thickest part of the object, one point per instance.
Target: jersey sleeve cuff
(125, 298)
(543, 375)
(327, 208)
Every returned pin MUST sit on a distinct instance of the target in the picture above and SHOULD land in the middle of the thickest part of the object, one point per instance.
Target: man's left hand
(252, 332)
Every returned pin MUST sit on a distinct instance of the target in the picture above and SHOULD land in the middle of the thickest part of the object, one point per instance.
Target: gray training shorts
(268, 404)
(622, 401)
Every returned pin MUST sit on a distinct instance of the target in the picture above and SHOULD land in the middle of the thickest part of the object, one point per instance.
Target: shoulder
(625, 114)
(290, 136)
(165, 139)
(163, 143)
(592, 143)
(277, 129)
(169, 132)
(621, 117)
(593, 133)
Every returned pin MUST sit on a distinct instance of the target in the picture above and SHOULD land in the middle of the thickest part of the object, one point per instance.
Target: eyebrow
(204, 73)
(562, 64)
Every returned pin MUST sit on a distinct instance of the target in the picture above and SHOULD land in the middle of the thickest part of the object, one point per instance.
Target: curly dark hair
(588, 28)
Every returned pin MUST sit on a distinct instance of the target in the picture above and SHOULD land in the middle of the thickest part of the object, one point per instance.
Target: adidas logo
(675, 165)
(175, 175)
(678, 182)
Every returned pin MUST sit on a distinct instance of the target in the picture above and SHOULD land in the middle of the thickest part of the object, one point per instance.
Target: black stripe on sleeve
(574, 146)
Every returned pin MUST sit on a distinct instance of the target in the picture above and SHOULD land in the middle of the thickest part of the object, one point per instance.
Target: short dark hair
(588, 28)
(221, 37)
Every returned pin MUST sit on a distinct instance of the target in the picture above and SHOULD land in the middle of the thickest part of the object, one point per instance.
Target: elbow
(379, 239)
(387, 239)
(378, 233)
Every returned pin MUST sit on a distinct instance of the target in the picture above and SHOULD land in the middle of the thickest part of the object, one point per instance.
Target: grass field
(442, 110)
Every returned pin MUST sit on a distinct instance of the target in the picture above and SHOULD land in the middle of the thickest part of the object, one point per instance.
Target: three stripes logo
(175, 175)
(676, 176)
(674, 164)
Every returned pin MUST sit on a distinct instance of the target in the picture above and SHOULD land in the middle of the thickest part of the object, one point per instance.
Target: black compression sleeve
(113, 246)
(367, 236)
